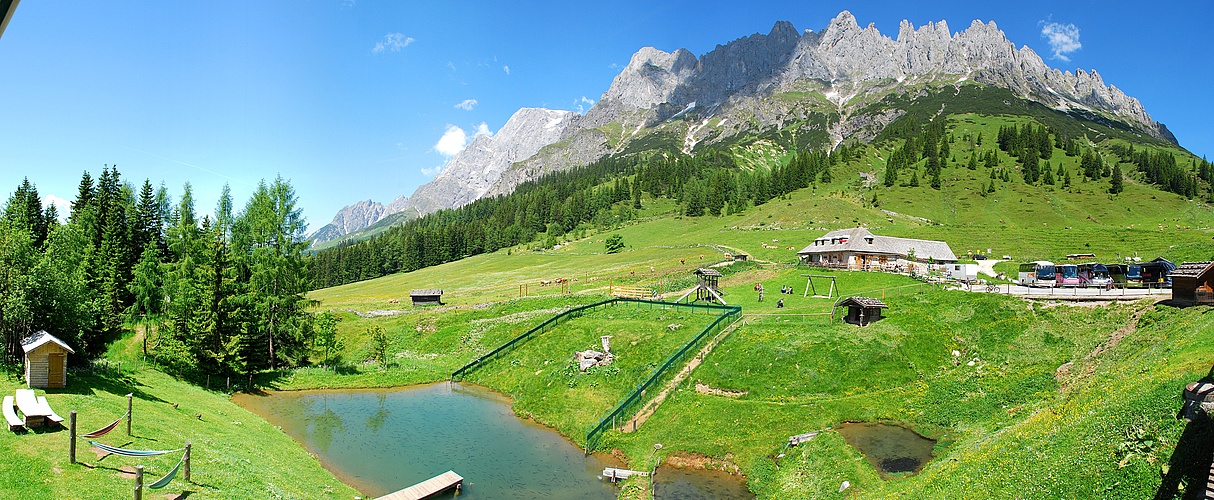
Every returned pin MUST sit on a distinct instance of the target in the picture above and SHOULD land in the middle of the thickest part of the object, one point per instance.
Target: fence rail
(726, 316)
(552, 321)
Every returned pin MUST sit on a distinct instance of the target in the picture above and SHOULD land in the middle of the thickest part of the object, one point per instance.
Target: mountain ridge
(675, 98)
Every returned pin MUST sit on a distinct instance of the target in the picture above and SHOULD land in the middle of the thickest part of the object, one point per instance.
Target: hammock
(168, 478)
(130, 453)
(105, 430)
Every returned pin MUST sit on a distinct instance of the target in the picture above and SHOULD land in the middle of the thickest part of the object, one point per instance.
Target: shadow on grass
(90, 384)
(1189, 468)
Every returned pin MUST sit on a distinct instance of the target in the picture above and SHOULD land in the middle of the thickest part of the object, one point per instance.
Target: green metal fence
(726, 316)
(548, 323)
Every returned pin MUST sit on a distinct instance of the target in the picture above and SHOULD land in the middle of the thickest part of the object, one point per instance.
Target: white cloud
(582, 104)
(432, 172)
(506, 69)
(393, 42)
(453, 141)
(451, 65)
(1063, 38)
(482, 129)
(62, 206)
(466, 104)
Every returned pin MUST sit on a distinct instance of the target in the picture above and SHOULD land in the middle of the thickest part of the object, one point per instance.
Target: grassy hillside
(1012, 423)
(235, 454)
(1088, 430)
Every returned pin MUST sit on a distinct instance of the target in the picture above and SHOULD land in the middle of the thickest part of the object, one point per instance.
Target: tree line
(568, 204)
(216, 294)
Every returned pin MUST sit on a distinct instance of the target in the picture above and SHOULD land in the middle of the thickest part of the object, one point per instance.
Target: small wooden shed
(45, 360)
(426, 297)
(861, 310)
(1193, 284)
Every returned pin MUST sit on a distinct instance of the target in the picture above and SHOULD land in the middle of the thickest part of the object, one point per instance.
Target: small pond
(674, 483)
(383, 440)
(890, 448)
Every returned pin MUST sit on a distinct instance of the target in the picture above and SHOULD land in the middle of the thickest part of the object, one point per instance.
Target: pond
(674, 483)
(383, 440)
(890, 448)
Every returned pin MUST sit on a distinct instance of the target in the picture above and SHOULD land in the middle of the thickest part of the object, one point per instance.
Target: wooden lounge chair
(14, 423)
(34, 413)
(50, 414)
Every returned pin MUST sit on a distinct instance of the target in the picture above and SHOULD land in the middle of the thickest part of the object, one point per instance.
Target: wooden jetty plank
(427, 488)
(614, 474)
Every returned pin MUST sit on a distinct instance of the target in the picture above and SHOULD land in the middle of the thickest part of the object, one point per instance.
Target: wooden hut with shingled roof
(1193, 284)
(426, 297)
(861, 310)
(45, 360)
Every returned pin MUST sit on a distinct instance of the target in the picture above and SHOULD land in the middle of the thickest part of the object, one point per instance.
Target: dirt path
(648, 410)
(987, 267)
(1063, 372)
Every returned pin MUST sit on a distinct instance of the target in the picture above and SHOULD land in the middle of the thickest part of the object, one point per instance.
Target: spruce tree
(1115, 184)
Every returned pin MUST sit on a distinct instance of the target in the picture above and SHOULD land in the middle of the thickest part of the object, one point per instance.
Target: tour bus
(1156, 273)
(1095, 274)
(1036, 273)
(1126, 274)
(1066, 275)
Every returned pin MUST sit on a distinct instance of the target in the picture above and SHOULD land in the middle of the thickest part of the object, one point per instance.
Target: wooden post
(138, 482)
(128, 412)
(187, 461)
(119, 368)
(71, 447)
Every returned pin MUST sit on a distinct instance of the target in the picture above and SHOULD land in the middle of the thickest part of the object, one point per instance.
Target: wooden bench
(50, 414)
(14, 423)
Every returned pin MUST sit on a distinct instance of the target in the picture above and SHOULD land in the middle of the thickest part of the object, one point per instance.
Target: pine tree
(1047, 174)
(935, 182)
(1115, 184)
(914, 182)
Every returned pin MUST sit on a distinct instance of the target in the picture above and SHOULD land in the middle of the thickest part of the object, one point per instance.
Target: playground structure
(707, 288)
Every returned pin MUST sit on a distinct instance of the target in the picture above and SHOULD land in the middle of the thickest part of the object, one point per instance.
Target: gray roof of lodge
(419, 293)
(858, 240)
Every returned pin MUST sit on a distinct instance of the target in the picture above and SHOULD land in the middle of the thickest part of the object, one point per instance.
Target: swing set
(809, 286)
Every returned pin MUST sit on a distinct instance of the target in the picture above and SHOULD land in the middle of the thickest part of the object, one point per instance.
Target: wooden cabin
(426, 297)
(862, 310)
(1193, 284)
(45, 360)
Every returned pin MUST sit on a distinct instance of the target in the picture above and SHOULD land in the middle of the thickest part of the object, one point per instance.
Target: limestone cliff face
(657, 84)
(469, 174)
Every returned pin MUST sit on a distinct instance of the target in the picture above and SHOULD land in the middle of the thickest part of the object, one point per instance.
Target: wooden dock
(615, 474)
(427, 488)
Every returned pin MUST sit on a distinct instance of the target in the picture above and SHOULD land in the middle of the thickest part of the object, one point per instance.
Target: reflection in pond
(413, 434)
(673, 483)
(889, 448)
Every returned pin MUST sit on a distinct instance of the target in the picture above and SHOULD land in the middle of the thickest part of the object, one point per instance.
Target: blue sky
(356, 99)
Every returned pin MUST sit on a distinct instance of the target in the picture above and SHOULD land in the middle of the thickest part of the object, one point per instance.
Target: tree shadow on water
(1189, 468)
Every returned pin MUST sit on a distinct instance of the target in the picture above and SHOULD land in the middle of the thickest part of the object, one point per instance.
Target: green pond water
(673, 483)
(380, 441)
(890, 448)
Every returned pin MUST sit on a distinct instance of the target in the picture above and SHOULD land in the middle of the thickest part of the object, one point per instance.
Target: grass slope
(235, 454)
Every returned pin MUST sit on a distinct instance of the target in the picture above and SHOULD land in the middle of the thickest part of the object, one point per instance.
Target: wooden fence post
(129, 414)
(187, 461)
(138, 482)
(71, 449)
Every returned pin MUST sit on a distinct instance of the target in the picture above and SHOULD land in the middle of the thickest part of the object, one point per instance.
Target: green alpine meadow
(825, 263)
